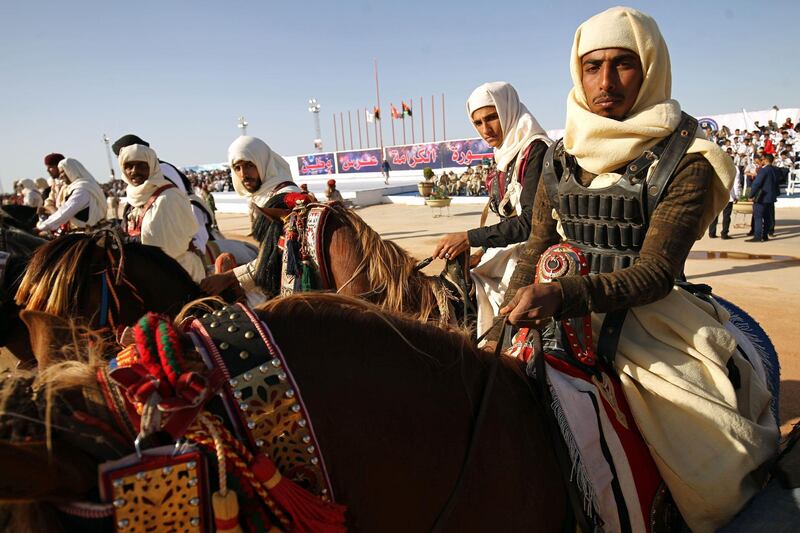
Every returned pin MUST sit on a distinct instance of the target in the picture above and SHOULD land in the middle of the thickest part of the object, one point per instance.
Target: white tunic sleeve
(76, 202)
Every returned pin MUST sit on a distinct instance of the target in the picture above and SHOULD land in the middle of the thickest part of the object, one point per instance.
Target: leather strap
(676, 148)
(550, 173)
(608, 337)
(137, 229)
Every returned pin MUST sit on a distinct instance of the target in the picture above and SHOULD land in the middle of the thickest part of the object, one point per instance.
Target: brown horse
(102, 282)
(392, 401)
(359, 263)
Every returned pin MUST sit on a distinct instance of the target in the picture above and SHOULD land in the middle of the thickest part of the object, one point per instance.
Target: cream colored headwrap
(518, 125)
(80, 178)
(139, 194)
(272, 168)
(601, 144)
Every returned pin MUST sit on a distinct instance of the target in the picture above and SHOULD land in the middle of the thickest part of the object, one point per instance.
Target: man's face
(136, 171)
(487, 122)
(53, 171)
(248, 173)
(611, 80)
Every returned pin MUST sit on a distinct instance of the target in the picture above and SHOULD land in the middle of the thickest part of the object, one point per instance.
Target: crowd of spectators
(210, 180)
(748, 147)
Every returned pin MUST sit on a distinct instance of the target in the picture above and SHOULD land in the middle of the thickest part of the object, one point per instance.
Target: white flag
(370, 117)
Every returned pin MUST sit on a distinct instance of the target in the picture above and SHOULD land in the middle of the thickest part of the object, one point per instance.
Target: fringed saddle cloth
(612, 475)
(303, 265)
(240, 453)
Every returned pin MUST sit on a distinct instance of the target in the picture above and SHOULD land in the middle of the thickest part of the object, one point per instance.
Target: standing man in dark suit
(764, 193)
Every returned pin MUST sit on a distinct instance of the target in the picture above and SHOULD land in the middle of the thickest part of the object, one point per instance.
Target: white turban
(602, 145)
(80, 178)
(272, 168)
(138, 195)
(518, 125)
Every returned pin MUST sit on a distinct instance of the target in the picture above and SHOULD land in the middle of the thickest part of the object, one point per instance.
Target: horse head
(102, 281)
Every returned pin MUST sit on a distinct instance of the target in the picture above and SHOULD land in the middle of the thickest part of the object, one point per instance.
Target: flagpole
(341, 126)
(391, 112)
(433, 119)
(378, 96)
(358, 123)
(350, 124)
(444, 130)
(411, 103)
(366, 125)
(404, 128)
(335, 132)
(422, 117)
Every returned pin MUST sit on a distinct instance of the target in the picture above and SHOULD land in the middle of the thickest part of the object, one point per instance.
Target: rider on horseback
(205, 219)
(158, 214)
(633, 185)
(260, 175)
(519, 144)
(84, 201)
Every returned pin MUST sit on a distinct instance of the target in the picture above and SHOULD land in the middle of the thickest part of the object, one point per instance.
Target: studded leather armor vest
(608, 225)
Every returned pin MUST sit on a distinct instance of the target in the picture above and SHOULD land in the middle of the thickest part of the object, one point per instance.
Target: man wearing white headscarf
(159, 214)
(30, 194)
(260, 175)
(519, 144)
(205, 219)
(84, 202)
(702, 408)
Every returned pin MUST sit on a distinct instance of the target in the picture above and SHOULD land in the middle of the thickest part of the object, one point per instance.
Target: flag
(376, 112)
(370, 116)
(395, 113)
(406, 110)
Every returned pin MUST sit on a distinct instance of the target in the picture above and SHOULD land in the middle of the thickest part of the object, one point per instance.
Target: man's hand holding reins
(533, 305)
(451, 245)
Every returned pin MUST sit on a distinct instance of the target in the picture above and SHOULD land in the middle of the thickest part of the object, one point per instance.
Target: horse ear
(49, 333)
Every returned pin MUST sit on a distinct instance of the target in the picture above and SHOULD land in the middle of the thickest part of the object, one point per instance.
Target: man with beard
(158, 214)
(264, 178)
(633, 185)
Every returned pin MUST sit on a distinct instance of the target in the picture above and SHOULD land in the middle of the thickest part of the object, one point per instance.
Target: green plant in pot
(426, 187)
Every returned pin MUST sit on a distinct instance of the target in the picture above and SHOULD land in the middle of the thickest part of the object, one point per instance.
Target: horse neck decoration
(103, 282)
(348, 257)
(392, 420)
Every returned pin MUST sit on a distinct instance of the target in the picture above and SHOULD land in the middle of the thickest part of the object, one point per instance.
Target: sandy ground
(762, 278)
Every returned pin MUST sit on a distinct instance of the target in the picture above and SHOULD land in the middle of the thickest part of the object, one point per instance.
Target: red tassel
(309, 513)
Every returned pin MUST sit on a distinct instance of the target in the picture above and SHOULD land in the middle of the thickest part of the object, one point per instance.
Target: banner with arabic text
(414, 156)
(465, 152)
(358, 161)
(314, 164)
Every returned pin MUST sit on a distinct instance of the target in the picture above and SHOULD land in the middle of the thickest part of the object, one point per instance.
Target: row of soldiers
(471, 182)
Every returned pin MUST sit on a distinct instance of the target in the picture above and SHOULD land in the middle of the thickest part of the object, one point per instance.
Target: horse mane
(392, 275)
(56, 277)
(53, 281)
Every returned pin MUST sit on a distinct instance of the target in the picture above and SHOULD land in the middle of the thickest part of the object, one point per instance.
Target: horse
(353, 260)
(393, 403)
(102, 281)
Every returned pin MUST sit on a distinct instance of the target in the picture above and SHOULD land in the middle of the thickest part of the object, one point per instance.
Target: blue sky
(180, 73)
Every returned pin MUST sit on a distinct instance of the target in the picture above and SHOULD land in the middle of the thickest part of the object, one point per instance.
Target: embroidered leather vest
(609, 225)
